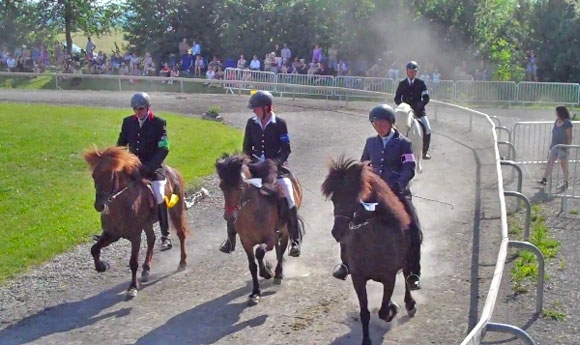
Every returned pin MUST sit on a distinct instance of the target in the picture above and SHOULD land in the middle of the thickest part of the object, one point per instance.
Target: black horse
(375, 245)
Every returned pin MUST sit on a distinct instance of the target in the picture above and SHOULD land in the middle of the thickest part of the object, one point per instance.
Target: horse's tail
(177, 213)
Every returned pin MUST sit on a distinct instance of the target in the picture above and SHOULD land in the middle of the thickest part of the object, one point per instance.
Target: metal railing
(243, 80)
(375, 88)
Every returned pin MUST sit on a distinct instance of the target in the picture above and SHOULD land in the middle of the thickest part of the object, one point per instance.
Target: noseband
(351, 224)
(240, 204)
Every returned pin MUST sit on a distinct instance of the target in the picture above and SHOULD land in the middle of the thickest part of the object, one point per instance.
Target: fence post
(513, 330)
(528, 211)
(540, 282)
(519, 171)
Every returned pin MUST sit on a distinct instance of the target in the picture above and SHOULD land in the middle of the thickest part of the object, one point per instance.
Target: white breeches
(159, 190)
(288, 190)
(425, 121)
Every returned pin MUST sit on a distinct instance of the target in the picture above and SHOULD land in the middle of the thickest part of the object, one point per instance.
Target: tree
(91, 17)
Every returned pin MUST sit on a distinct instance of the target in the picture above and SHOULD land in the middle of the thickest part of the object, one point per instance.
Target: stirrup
(416, 284)
(166, 244)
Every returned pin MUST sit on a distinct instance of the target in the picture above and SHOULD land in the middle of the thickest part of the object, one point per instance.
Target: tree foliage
(489, 34)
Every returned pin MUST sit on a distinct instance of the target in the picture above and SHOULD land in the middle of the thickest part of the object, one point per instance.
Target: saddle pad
(256, 182)
(369, 206)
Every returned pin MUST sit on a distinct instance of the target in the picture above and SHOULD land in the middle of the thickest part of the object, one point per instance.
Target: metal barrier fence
(531, 140)
(297, 84)
(565, 187)
(241, 80)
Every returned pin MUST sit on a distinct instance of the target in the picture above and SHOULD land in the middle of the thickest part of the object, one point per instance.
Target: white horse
(408, 125)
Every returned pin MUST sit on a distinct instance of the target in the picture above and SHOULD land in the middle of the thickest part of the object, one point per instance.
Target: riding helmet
(413, 65)
(260, 99)
(140, 100)
(382, 112)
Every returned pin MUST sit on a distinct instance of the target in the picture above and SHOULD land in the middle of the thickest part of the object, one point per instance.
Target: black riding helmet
(382, 112)
(413, 65)
(260, 99)
(140, 100)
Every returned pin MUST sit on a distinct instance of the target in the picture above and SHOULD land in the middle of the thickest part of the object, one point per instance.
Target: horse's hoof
(102, 266)
(388, 314)
(132, 293)
(181, 267)
(145, 276)
(253, 299)
(266, 275)
(411, 312)
(277, 281)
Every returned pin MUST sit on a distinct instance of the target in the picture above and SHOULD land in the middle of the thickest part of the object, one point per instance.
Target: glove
(145, 170)
(396, 188)
(419, 108)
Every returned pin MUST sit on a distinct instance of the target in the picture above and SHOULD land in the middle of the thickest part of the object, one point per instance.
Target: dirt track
(206, 304)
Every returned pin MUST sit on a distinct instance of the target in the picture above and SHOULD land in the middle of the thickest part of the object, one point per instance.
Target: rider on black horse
(391, 157)
(413, 91)
(266, 137)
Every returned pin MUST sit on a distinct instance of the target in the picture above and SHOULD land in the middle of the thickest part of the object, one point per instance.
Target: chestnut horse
(251, 199)
(377, 247)
(127, 206)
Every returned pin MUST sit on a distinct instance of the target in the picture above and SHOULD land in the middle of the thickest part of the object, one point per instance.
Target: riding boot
(414, 258)
(229, 245)
(341, 270)
(426, 144)
(294, 232)
(164, 226)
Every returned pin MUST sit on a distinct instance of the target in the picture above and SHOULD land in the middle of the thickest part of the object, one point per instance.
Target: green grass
(106, 43)
(525, 269)
(46, 194)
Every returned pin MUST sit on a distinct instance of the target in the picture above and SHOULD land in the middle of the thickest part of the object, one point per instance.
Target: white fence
(376, 88)
(508, 92)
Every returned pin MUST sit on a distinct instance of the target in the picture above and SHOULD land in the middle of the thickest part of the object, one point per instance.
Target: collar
(149, 116)
(389, 136)
(271, 120)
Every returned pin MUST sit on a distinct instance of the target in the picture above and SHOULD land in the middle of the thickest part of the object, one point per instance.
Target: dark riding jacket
(395, 162)
(415, 94)
(148, 142)
(271, 142)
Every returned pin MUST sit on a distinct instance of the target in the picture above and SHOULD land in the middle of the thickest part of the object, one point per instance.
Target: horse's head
(110, 169)
(344, 185)
(232, 170)
(404, 116)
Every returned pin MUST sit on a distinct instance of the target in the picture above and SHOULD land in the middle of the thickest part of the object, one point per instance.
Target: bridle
(240, 204)
(114, 193)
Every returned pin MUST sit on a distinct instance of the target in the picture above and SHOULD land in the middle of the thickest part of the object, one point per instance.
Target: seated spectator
(219, 74)
(11, 63)
(174, 74)
(187, 62)
(148, 65)
(210, 74)
(165, 72)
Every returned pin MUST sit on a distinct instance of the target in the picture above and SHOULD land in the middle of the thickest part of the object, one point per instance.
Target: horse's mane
(113, 158)
(357, 178)
(374, 188)
(229, 168)
(343, 172)
(408, 111)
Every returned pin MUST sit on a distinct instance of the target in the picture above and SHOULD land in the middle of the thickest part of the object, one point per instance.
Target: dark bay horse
(376, 246)
(127, 206)
(252, 205)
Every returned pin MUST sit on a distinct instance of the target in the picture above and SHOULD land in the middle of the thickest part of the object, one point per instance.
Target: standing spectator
(183, 47)
(196, 48)
(561, 134)
(317, 53)
(532, 66)
(241, 62)
(286, 53)
(90, 48)
(332, 57)
(255, 63)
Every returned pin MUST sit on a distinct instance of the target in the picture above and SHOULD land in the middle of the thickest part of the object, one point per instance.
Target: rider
(413, 91)
(266, 137)
(391, 157)
(146, 135)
